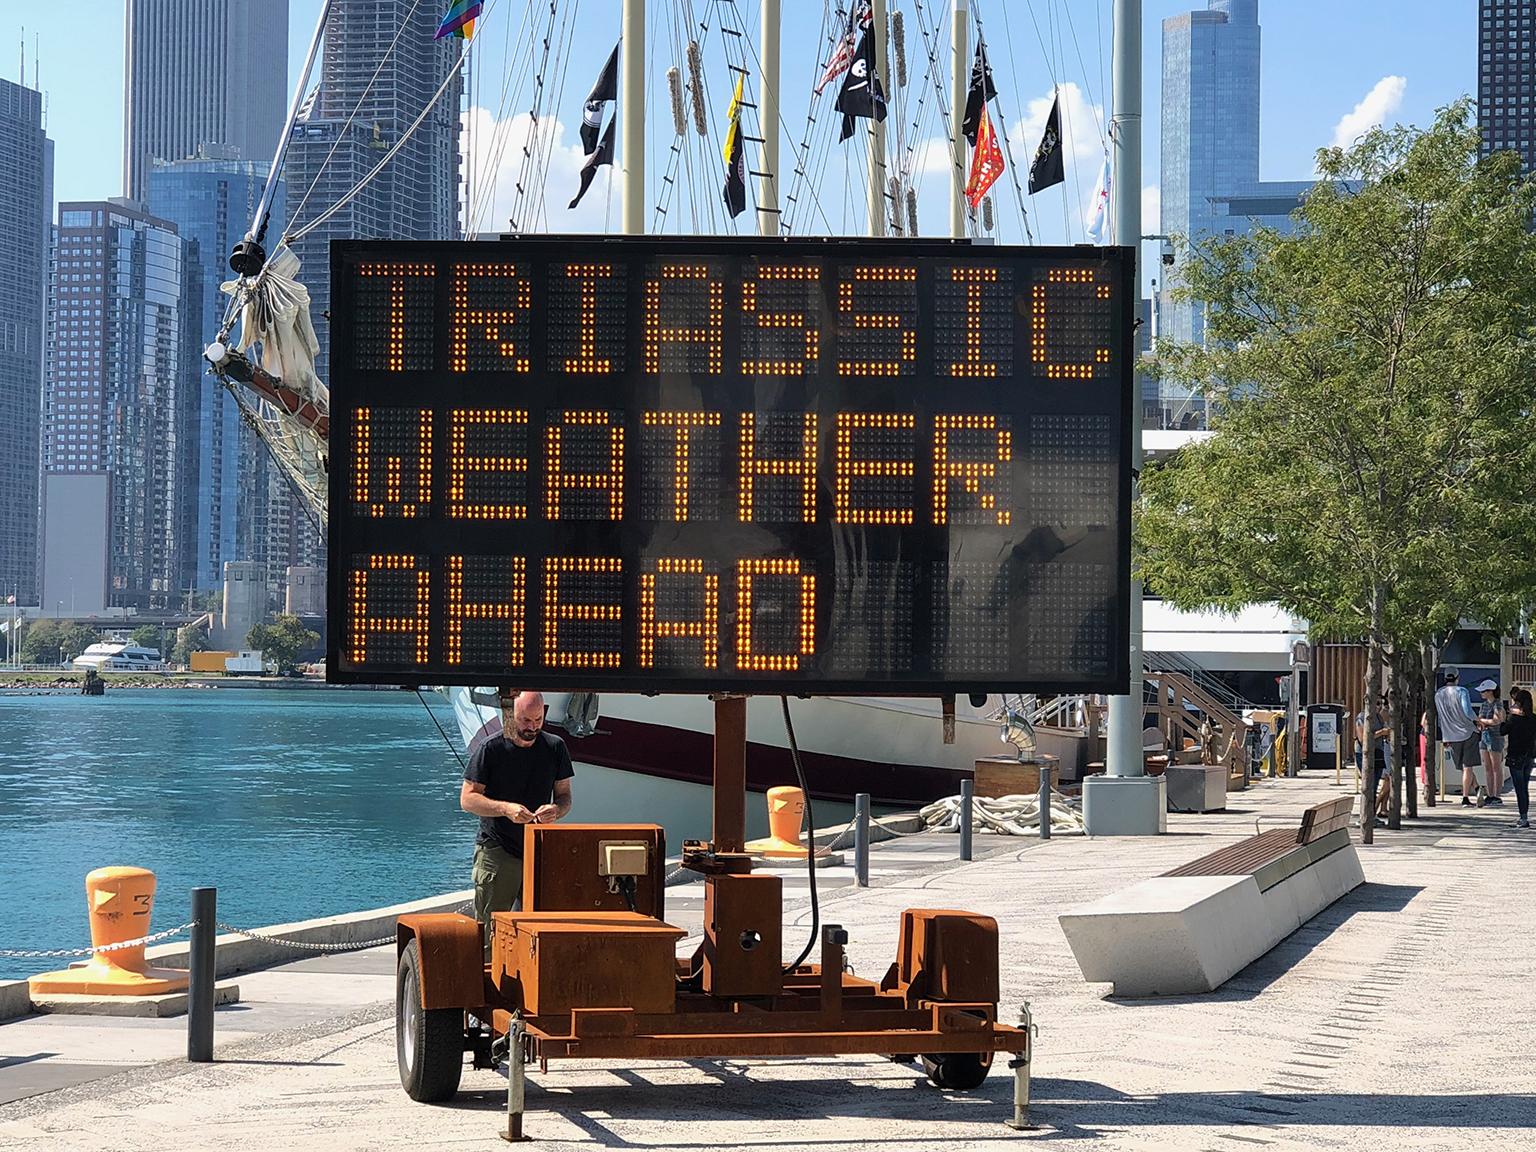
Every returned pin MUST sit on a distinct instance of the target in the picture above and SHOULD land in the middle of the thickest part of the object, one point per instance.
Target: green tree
(75, 638)
(1370, 375)
(146, 636)
(40, 643)
(189, 639)
(282, 640)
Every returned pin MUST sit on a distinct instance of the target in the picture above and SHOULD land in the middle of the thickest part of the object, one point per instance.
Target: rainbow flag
(460, 19)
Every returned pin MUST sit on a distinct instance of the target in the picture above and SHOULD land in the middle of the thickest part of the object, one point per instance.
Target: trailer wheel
(960, 1071)
(429, 1043)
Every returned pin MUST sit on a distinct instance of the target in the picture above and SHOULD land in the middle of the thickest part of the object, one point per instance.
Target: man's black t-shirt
(524, 776)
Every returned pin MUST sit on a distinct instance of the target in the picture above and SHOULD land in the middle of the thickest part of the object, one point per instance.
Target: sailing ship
(655, 751)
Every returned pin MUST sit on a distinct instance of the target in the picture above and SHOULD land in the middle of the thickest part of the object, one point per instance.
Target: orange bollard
(786, 812)
(119, 901)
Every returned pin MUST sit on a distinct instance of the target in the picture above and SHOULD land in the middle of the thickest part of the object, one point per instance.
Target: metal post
(967, 796)
(768, 121)
(876, 128)
(730, 774)
(1020, 1066)
(1123, 756)
(1045, 801)
(959, 83)
(861, 840)
(632, 113)
(516, 1087)
(200, 962)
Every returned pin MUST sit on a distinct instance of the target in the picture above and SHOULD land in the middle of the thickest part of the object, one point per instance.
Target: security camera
(1168, 259)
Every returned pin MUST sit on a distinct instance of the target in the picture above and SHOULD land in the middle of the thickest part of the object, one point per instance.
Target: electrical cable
(810, 823)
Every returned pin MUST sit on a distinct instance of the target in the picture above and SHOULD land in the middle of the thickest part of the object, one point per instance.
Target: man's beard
(527, 735)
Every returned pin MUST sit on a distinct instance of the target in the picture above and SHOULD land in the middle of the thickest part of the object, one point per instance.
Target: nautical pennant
(735, 190)
(589, 166)
(843, 53)
(862, 93)
(1097, 225)
(606, 89)
(1046, 170)
(976, 97)
(460, 19)
(986, 161)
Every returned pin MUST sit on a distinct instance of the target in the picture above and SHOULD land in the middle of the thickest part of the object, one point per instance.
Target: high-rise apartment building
(26, 201)
(212, 200)
(1210, 182)
(1506, 77)
(199, 72)
(119, 421)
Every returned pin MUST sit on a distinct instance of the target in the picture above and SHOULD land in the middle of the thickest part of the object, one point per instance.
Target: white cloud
(551, 173)
(1380, 102)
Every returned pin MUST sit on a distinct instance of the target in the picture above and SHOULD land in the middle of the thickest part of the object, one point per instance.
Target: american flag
(10, 599)
(847, 46)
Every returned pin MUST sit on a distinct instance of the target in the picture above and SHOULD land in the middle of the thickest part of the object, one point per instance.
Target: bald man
(521, 777)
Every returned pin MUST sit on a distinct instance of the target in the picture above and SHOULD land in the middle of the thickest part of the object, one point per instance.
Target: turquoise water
(293, 804)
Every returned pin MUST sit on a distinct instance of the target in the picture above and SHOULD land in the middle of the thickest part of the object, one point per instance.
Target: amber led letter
(706, 629)
(461, 464)
(903, 339)
(365, 624)
(749, 660)
(586, 359)
(398, 275)
(557, 611)
(513, 610)
(557, 480)
(969, 473)
(1039, 317)
(975, 281)
(688, 281)
(849, 469)
(800, 341)
(396, 501)
(488, 324)
(802, 466)
(683, 424)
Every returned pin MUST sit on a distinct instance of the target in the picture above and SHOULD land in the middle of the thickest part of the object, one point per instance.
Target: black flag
(861, 94)
(1046, 170)
(735, 190)
(606, 89)
(981, 90)
(589, 166)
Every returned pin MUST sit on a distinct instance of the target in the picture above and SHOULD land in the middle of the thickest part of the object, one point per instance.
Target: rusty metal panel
(560, 869)
(562, 965)
(743, 935)
(948, 955)
(452, 958)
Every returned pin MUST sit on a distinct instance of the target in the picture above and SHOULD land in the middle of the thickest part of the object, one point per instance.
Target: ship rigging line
(342, 135)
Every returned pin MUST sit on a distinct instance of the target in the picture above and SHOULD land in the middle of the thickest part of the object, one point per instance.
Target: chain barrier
(70, 953)
(306, 945)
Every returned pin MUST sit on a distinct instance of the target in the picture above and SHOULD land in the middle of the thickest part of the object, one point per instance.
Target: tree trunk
(1431, 657)
(1373, 678)
(1399, 760)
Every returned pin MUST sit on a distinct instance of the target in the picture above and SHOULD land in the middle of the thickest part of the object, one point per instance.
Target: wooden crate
(998, 776)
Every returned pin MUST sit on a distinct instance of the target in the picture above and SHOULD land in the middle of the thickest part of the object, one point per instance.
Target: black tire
(958, 1071)
(429, 1043)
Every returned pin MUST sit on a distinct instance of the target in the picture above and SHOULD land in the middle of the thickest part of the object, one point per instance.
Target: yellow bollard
(119, 901)
(786, 812)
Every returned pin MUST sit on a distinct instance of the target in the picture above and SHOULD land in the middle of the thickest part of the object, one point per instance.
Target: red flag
(986, 161)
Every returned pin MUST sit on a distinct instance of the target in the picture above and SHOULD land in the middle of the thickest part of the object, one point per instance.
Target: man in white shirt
(1458, 728)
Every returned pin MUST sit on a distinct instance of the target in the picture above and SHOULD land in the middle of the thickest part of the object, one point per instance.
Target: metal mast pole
(877, 128)
(632, 112)
(768, 118)
(1127, 801)
(259, 223)
(959, 84)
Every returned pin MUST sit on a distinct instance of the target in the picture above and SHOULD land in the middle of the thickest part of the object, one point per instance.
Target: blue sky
(1329, 67)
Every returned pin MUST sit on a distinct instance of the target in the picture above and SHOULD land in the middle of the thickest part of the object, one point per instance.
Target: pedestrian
(1520, 729)
(1458, 728)
(1373, 729)
(1491, 742)
(523, 776)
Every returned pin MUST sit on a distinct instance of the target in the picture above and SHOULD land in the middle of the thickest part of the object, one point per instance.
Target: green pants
(498, 883)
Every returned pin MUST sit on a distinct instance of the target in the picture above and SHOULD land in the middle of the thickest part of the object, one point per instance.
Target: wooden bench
(1193, 928)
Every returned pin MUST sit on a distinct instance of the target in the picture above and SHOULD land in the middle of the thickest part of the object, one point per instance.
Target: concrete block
(1169, 935)
(1196, 787)
(150, 1007)
(15, 1000)
(1125, 805)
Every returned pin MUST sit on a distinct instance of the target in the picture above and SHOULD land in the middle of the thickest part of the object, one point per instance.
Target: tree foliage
(55, 642)
(1371, 378)
(189, 639)
(283, 640)
(146, 636)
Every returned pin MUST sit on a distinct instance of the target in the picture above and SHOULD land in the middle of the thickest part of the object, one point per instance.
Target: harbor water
(293, 803)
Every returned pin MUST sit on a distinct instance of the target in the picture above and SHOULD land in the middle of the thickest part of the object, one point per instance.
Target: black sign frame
(352, 387)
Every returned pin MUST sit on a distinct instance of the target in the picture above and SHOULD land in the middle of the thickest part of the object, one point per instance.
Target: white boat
(115, 656)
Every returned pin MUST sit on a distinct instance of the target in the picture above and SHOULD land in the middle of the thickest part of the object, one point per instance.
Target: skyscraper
(1210, 159)
(26, 198)
(1506, 77)
(199, 72)
(118, 421)
(212, 200)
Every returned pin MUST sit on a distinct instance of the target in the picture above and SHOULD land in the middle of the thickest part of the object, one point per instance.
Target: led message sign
(664, 464)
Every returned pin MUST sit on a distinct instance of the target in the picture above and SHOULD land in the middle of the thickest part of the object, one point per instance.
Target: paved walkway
(1396, 1020)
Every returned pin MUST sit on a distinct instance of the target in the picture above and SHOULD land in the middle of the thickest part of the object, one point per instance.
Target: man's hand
(518, 814)
(546, 814)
